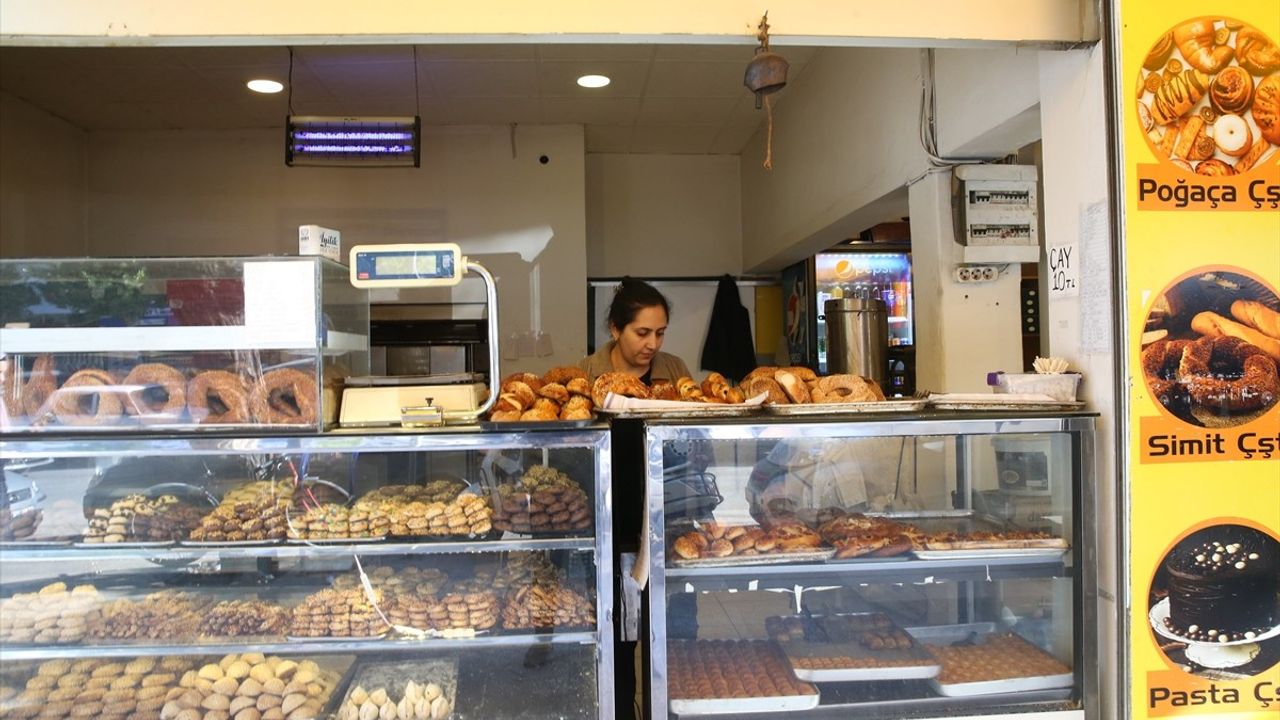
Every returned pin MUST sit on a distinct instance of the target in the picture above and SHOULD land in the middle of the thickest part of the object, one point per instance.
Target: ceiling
(682, 99)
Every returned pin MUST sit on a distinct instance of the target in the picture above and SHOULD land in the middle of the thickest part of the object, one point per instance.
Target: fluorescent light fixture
(265, 86)
(593, 81)
(353, 141)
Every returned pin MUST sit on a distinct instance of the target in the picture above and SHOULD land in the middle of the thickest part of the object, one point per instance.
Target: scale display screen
(425, 265)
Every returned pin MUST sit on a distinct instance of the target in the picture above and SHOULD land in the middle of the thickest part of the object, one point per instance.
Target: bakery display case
(902, 566)
(306, 576)
(177, 344)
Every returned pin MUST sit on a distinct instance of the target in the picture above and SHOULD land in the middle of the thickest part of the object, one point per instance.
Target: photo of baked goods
(1209, 97)
(1214, 603)
(1211, 348)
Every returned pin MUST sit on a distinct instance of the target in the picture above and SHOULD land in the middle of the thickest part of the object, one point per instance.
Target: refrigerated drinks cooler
(881, 274)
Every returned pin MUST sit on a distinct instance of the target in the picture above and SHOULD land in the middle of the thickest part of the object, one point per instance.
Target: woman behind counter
(637, 321)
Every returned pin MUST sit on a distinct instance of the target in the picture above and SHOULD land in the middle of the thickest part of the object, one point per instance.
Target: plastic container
(1061, 387)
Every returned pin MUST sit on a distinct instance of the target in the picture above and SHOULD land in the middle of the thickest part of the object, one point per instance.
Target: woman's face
(641, 339)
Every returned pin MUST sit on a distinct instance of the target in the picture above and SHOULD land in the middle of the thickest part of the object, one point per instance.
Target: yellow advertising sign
(1199, 94)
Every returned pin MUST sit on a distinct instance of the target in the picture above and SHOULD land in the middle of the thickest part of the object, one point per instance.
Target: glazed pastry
(1232, 135)
(1159, 53)
(1195, 40)
(1231, 91)
(1266, 108)
(1178, 95)
(1214, 168)
(1255, 52)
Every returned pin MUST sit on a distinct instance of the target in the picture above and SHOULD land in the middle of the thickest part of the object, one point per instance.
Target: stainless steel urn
(858, 337)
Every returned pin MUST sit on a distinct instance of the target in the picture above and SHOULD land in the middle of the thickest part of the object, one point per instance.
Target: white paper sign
(1064, 271)
(280, 303)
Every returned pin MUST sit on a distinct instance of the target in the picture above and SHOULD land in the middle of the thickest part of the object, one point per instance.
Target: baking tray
(124, 545)
(336, 541)
(394, 676)
(228, 543)
(744, 560)
(984, 554)
(850, 408)
(513, 425)
(34, 544)
(964, 521)
(947, 634)
(333, 639)
(996, 404)
(695, 410)
(924, 667)
(742, 706)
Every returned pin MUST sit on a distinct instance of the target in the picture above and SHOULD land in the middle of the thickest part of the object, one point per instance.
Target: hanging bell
(766, 73)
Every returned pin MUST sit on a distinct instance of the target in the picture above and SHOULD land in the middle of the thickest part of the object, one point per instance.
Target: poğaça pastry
(1222, 585)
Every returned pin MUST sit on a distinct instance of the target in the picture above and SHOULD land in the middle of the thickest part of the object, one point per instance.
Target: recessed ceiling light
(593, 81)
(265, 86)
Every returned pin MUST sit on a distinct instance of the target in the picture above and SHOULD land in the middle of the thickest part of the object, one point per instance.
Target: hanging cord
(768, 142)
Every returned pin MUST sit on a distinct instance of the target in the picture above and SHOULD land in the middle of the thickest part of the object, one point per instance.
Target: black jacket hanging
(729, 348)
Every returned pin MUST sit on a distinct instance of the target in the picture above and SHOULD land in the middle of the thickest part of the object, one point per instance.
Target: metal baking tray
(695, 410)
(765, 559)
(740, 706)
(964, 521)
(918, 664)
(949, 634)
(394, 676)
(899, 405)
(515, 425)
(999, 405)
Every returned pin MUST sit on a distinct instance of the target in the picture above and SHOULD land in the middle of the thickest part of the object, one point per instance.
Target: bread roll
(1212, 324)
(1256, 315)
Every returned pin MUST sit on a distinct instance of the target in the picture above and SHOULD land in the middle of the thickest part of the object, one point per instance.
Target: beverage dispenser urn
(858, 337)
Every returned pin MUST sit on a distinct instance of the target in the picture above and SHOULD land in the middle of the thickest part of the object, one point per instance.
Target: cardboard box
(321, 241)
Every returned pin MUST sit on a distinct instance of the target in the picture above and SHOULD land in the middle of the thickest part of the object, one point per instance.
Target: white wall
(986, 100)
(205, 193)
(42, 182)
(663, 215)
(1073, 121)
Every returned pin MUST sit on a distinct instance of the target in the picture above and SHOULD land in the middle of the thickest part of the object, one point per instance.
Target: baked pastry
(774, 394)
(1195, 40)
(1229, 375)
(1160, 362)
(1255, 52)
(1211, 324)
(1232, 135)
(997, 657)
(1251, 158)
(793, 386)
(137, 518)
(89, 397)
(1266, 108)
(1177, 95)
(846, 388)
(338, 613)
(618, 383)
(715, 669)
(285, 396)
(254, 511)
(1160, 53)
(156, 393)
(1257, 316)
(1214, 167)
(1231, 91)
(40, 386)
(543, 500)
(218, 397)
(563, 374)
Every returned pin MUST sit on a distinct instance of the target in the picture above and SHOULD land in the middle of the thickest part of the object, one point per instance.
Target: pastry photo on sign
(1213, 603)
(1211, 348)
(1209, 97)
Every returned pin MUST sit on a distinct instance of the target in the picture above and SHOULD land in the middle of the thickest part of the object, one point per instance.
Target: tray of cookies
(730, 677)
(850, 647)
(981, 659)
(408, 690)
(543, 501)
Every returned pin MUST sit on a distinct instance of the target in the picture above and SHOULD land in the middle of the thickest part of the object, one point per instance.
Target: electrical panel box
(996, 207)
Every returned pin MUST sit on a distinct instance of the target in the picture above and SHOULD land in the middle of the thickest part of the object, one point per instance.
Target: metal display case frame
(1080, 563)
(599, 542)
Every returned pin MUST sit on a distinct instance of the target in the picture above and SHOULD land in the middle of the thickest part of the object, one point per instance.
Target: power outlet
(976, 273)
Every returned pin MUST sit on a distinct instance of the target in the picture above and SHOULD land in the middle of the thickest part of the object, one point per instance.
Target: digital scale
(425, 400)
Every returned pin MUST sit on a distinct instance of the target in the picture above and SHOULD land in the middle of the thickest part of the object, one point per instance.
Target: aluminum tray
(998, 405)
(925, 666)
(229, 543)
(946, 634)
(393, 676)
(745, 560)
(986, 553)
(739, 706)
(336, 541)
(850, 408)
(122, 545)
(334, 639)
(491, 426)
(963, 521)
(695, 410)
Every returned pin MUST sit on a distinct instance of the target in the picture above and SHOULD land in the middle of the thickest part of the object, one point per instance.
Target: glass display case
(177, 344)
(334, 575)
(898, 567)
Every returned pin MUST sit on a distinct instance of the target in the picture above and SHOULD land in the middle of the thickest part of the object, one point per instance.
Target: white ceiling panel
(663, 98)
(560, 78)
(590, 111)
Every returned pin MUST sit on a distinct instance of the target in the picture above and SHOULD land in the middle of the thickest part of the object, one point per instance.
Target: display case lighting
(353, 141)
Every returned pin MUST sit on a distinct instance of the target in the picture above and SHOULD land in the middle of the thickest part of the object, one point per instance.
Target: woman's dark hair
(630, 297)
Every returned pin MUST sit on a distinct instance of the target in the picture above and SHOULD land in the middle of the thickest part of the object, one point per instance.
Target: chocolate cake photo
(1211, 348)
(1215, 595)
